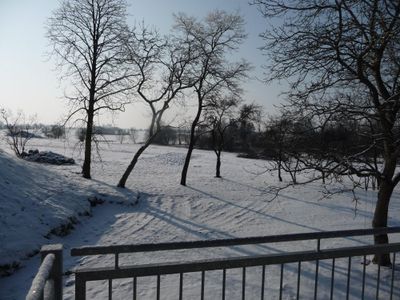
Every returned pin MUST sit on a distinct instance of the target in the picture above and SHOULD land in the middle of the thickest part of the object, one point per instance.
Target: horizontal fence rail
(47, 283)
(231, 263)
(85, 275)
(97, 250)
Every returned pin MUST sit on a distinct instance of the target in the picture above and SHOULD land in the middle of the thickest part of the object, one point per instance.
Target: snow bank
(38, 201)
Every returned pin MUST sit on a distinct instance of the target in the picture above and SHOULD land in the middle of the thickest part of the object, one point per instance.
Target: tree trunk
(187, 162)
(191, 144)
(90, 114)
(380, 219)
(280, 171)
(154, 130)
(135, 159)
(280, 166)
(88, 143)
(218, 166)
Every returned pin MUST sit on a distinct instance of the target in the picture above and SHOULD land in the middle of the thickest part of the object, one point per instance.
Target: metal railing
(47, 283)
(180, 268)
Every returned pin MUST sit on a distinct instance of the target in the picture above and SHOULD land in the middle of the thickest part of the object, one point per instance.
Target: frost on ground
(235, 206)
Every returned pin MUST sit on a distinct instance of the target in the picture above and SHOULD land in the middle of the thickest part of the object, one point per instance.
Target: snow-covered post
(47, 283)
(56, 272)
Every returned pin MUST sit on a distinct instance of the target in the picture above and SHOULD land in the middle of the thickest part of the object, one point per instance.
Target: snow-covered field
(36, 198)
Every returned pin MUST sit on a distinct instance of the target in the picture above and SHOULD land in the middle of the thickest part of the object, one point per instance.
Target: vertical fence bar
(244, 283)
(110, 289)
(316, 279)
(281, 283)
(116, 262)
(57, 269)
(158, 286)
(134, 288)
(202, 285)
(392, 280)
(263, 282)
(80, 287)
(348, 278)
(363, 277)
(223, 283)
(298, 280)
(378, 277)
(317, 270)
(180, 286)
(332, 278)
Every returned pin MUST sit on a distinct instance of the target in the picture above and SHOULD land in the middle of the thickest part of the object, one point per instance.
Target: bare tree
(213, 39)
(166, 136)
(162, 63)
(133, 133)
(250, 115)
(121, 134)
(87, 39)
(324, 47)
(54, 131)
(276, 135)
(220, 115)
(287, 139)
(19, 130)
(183, 133)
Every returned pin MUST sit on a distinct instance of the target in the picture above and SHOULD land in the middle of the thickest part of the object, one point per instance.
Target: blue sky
(28, 81)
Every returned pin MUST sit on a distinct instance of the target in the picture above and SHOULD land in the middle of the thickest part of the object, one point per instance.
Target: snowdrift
(38, 201)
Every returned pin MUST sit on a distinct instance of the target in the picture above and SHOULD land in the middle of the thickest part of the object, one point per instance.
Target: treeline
(121, 133)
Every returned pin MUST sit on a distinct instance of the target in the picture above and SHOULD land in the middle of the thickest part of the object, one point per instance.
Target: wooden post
(56, 274)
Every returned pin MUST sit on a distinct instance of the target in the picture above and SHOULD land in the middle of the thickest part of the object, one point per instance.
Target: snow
(37, 200)
(237, 205)
(40, 279)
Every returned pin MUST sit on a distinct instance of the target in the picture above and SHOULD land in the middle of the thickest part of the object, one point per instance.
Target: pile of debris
(47, 157)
